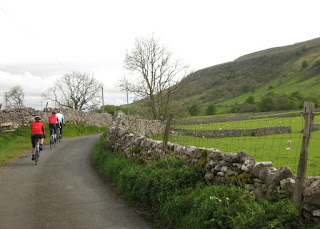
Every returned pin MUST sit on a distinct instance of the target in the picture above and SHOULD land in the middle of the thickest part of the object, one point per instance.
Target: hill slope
(282, 70)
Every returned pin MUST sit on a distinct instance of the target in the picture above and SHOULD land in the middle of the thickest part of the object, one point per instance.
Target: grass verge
(16, 142)
(179, 198)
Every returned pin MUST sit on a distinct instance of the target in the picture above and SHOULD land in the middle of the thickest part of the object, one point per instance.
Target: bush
(304, 64)
(211, 109)
(194, 110)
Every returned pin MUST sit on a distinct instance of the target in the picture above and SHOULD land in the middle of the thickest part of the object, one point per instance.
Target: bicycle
(58, 134)
(52, 140)
(36, 152)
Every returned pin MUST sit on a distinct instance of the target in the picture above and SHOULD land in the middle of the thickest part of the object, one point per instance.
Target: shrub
(211, 109)
(194, 110)
(304, 64)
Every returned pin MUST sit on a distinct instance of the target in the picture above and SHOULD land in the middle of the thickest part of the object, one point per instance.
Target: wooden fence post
(309, 109)
(166, 135)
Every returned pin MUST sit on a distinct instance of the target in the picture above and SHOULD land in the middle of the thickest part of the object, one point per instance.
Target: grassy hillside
(281, 70)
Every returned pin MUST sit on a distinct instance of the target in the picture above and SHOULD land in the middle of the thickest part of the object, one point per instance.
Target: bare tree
(75, 90)
(15, 96)
(158, 75)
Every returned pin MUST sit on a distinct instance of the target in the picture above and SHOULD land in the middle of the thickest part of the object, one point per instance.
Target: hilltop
(280, 70)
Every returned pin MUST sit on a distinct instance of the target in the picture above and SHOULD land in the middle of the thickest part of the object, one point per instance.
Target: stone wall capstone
(258, 178)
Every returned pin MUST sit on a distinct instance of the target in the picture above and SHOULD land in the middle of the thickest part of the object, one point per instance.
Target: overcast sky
(40, 40)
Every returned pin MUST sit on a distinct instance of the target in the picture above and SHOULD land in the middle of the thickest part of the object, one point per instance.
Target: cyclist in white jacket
(61, 121)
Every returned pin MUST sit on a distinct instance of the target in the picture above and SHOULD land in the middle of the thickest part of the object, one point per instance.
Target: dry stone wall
(259, 178)
(235, 132)
(25, 116)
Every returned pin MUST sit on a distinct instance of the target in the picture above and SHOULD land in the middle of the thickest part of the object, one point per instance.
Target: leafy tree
(304, 64)
(251, 100)
(245, 87)
(297, 94)
(194, 110)
(248, 107)
(211, 109)
(313, 99)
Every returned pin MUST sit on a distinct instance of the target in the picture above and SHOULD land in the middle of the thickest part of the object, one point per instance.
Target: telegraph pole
(102, 100)
(127, 99)
(6, 99)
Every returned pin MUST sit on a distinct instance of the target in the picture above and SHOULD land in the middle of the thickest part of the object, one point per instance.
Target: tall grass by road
(178, 198)
(18, 141)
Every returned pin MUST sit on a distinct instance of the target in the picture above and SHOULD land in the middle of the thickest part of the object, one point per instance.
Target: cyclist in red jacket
(53, 124)
(37, 132)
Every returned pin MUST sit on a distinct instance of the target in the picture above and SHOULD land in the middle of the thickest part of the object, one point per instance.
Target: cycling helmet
(37, 118)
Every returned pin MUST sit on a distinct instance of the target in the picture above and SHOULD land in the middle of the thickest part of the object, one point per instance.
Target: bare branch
(75, 90)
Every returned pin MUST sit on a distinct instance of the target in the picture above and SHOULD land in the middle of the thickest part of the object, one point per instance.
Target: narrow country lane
(62, 191)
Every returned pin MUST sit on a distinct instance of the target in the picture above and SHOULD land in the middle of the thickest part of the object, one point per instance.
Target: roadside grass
(177, 197)
(14, 143)
(262, 148)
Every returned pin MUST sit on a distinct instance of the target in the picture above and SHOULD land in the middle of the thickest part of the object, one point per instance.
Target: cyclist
(53, 124)
(37, 132)
(61, 121)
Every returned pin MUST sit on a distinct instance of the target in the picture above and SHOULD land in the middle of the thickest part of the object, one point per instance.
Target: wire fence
(254, 135)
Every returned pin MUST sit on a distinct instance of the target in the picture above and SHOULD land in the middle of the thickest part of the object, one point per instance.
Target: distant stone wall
(136, 125)
(259, 178)
(25, 116)
(235, 132)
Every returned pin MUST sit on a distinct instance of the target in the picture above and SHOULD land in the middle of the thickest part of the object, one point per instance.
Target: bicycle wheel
(58, 135)
(37, 151)
(51, 140)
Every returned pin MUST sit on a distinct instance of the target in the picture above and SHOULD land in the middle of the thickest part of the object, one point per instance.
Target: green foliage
(241, 179)
(270, 87)
(211, 109)
(194, 110)
(313, 99)
(275, 102)
(180, 199)
(297, 94)
(251, 100)
(246, 88)
(304, 64)
(317, 63)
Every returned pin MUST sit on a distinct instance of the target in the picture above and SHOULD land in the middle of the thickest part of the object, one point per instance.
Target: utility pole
(6, 99)
(127, 99)
(102, 100)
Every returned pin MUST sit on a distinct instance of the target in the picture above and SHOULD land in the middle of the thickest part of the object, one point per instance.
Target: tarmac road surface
(62, 191)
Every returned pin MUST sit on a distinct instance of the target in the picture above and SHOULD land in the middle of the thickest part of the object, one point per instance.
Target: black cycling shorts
(53, 127)
(34, 138)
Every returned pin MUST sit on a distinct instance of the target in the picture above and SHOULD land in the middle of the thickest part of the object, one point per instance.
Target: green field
(262, 148)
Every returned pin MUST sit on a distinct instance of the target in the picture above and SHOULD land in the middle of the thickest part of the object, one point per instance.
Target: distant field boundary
(235, 132)
(232, 118)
